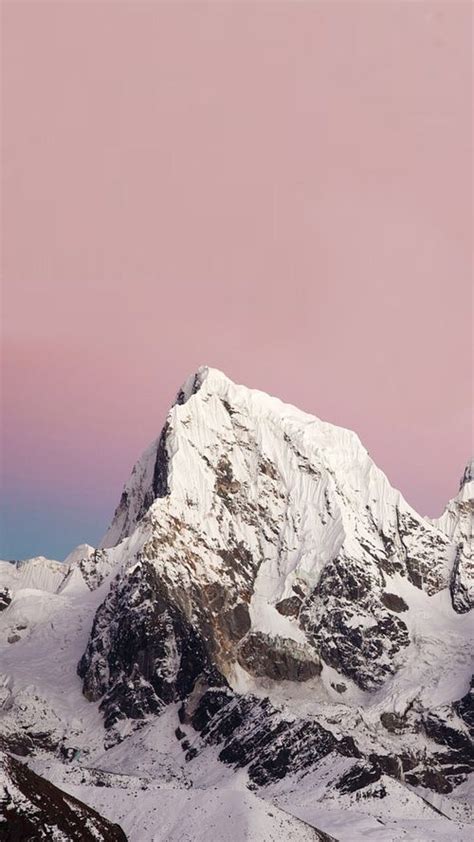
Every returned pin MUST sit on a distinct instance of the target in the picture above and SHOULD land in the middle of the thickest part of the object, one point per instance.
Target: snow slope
(32, 808)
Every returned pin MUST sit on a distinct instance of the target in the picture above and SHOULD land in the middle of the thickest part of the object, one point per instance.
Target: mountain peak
(468, 475)
(232, 419)
(212, 377)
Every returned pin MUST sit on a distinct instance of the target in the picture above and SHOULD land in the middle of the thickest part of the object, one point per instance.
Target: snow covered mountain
(268, 632)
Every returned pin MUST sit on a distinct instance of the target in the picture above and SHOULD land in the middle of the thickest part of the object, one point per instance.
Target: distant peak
(79, 553)
(468, 474)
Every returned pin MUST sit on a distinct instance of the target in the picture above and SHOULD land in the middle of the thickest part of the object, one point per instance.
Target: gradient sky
(281, 190)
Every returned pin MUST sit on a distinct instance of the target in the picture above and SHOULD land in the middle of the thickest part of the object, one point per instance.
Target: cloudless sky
(278, 189)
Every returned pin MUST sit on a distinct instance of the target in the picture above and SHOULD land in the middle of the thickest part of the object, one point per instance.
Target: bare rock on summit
(457, 523)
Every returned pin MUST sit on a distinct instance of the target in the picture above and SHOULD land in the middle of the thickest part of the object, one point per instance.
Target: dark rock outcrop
(143, 652)
(252, 733)
(5, 598)
(277, 658)
(348, 623)
(32, 808)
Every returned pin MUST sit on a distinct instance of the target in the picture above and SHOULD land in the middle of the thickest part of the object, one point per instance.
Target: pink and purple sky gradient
(281, 190)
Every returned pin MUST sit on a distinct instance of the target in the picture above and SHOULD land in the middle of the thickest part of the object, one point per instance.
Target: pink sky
(281, 190)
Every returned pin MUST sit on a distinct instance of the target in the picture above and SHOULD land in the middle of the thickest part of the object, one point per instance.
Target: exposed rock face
(5, 598)
(457, 523)
(149, 480)
(358, 777)
(456, 755)
(394, 602)
(32, 808)
(468, 475)
(91, 565)
(278, 659)
(362, 645)
(251, 733)
(143, 652)
(462, 591)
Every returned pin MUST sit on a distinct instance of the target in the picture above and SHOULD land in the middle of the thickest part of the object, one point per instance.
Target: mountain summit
(262, 601)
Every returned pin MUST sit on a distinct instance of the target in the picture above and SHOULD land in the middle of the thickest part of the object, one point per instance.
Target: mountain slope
(32, 808)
